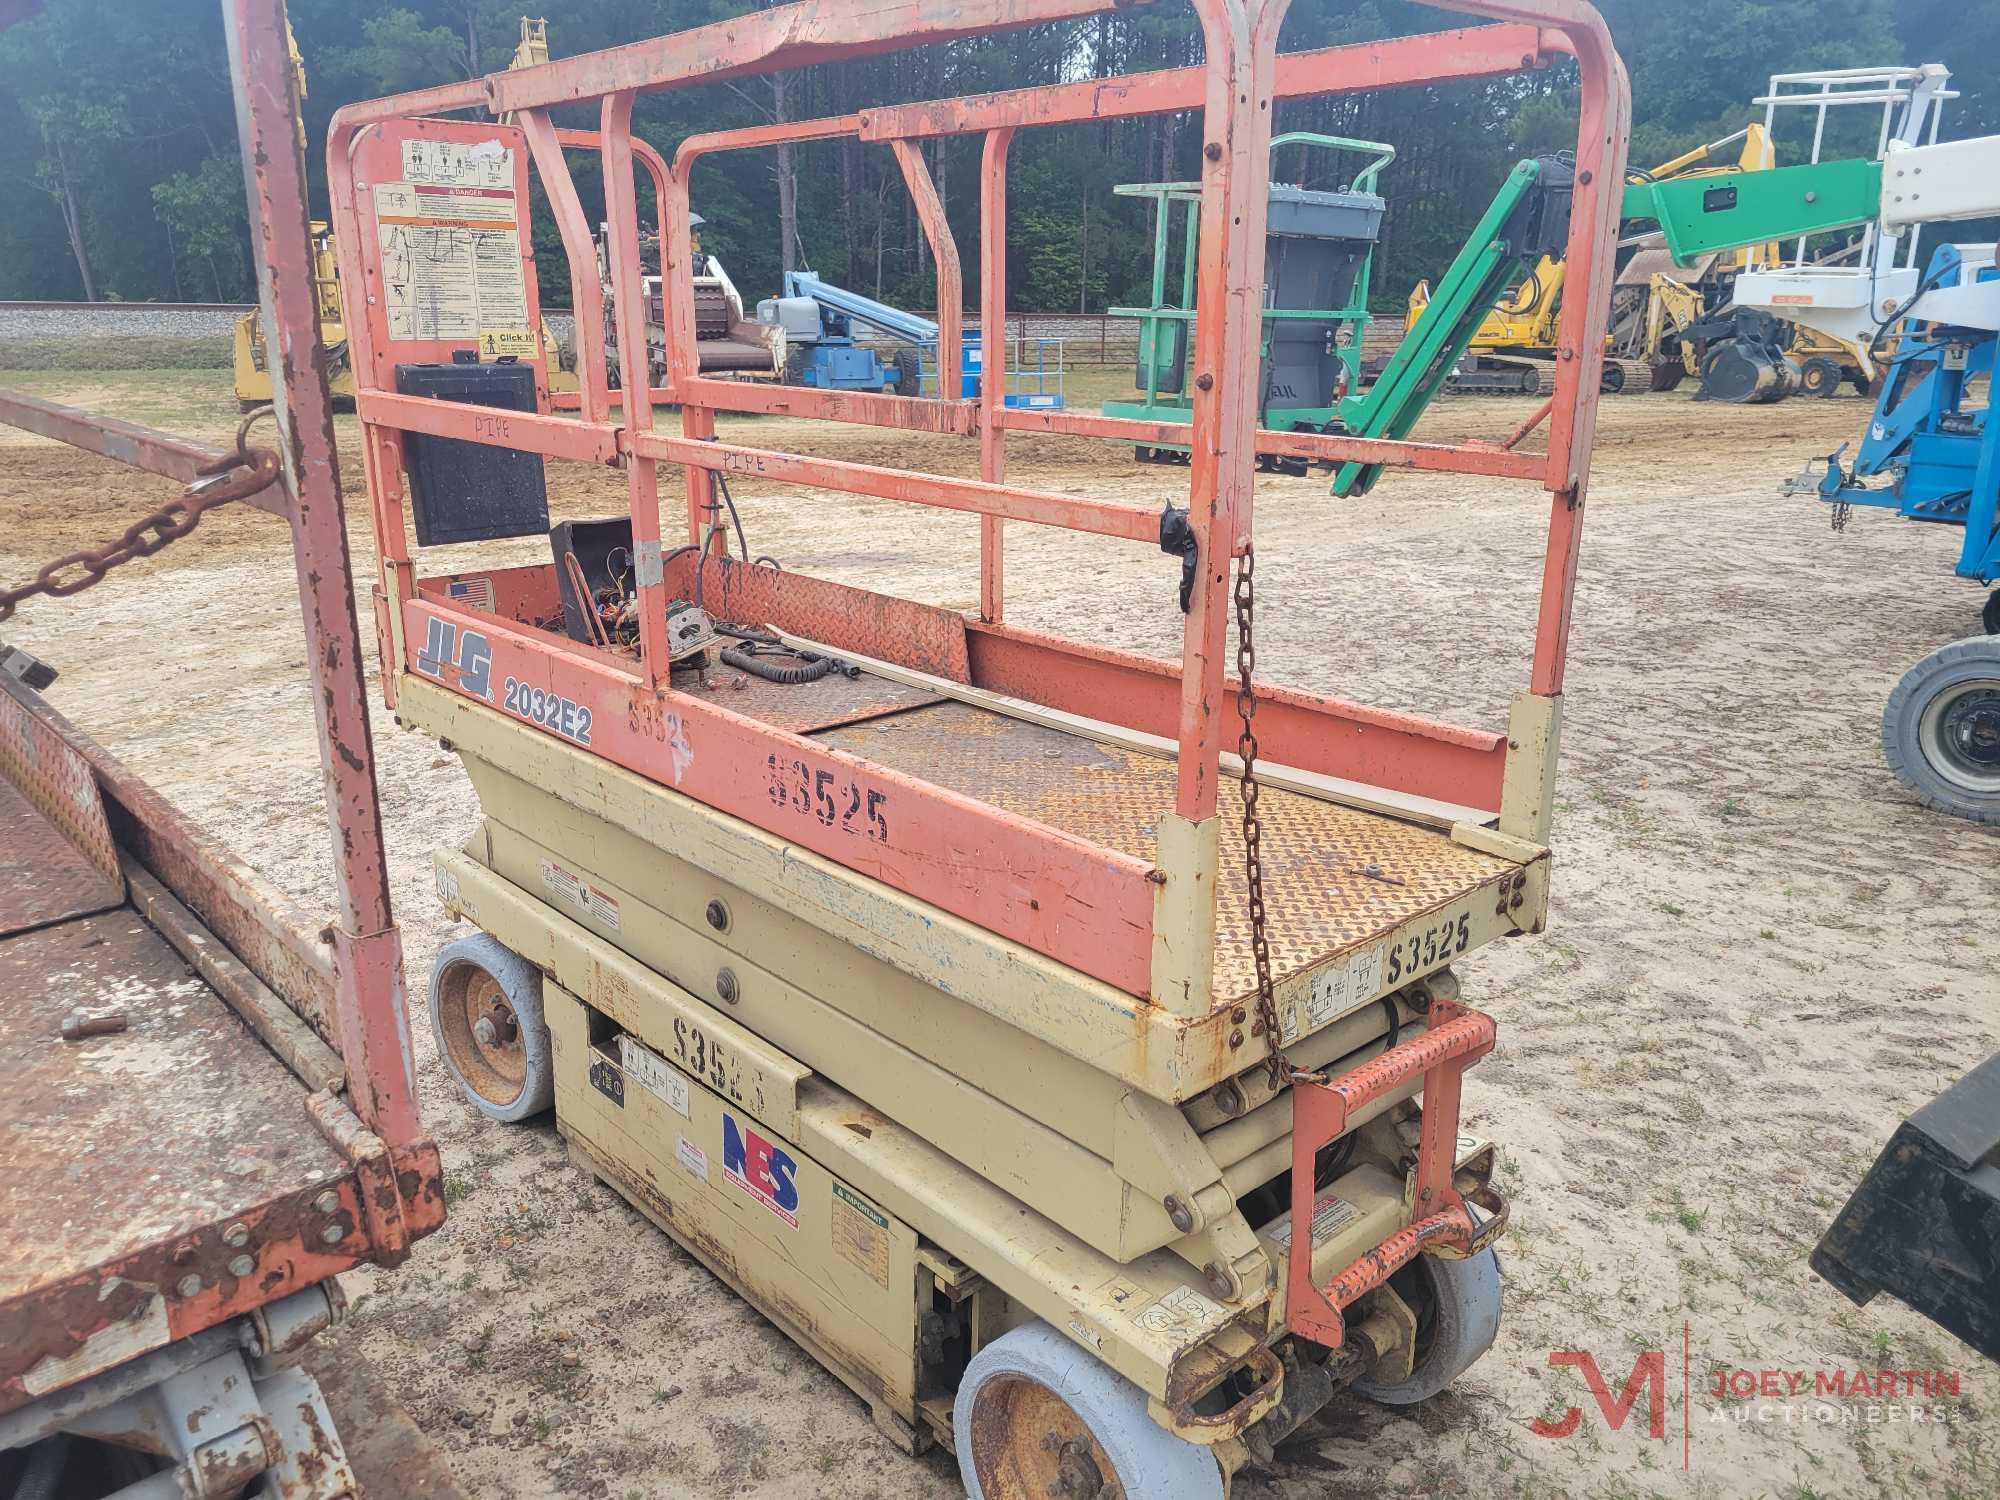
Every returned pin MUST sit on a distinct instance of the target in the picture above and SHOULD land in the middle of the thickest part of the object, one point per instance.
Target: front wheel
(1941, 729)
(1036, 1416)
(1457, 1303)
(486, 1012)
(1820, 377)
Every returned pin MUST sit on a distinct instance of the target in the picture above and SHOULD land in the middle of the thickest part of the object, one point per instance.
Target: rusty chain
(235, 476)
(1253, 864)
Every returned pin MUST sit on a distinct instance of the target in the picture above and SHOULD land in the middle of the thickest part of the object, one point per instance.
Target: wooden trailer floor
(1317, 895)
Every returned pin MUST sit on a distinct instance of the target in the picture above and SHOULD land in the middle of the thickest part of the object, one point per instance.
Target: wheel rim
(1960, 735)
(480, 1031)
(1029, 1444)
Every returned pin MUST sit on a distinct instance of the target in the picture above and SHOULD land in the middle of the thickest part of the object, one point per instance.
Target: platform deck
(1319, 892)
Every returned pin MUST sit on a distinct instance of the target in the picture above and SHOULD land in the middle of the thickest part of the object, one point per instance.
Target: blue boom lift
(1932, 453)
(1930, 437)
(820, 322)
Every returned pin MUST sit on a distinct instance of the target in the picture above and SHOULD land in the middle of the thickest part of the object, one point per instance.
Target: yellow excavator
(253, 378)
(1655, 305)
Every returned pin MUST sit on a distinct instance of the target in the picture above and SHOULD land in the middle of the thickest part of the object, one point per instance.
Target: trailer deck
(130, 1146)
(177, 1137)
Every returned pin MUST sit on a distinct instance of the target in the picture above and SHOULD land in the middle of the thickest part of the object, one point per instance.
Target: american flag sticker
(477, 592)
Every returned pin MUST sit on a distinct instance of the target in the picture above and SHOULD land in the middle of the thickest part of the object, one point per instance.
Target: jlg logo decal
(468, 653)
(763, 1170)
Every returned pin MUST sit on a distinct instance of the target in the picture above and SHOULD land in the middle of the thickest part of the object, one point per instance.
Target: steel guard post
(368, 961)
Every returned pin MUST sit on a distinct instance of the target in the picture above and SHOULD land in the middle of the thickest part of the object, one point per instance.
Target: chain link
(1841, 511)
(1253, 863)
(237, 476)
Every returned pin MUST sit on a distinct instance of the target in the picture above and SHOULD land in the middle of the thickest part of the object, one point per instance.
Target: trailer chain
(1253, 865)
(236, 476)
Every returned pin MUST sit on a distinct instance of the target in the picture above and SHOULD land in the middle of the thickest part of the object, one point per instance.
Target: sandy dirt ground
(1763, 954)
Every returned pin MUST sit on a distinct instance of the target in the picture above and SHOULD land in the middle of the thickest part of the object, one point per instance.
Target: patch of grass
(117, 352)
(1767, 934)
(1672, 909)
(1731, 808)
(456, 1189)
(544, 1425)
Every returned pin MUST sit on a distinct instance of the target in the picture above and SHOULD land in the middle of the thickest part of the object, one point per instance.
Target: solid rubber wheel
(486, 1013)
(1458, 1314)
(1941, 729)
(1612, 381)
(1821, 377)
(1036, 1416)
(1989, 617)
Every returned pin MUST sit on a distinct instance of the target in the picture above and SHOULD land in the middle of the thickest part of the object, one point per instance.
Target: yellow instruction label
(861, 1234)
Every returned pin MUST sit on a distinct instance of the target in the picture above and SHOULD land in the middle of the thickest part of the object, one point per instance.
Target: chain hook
(236, 475)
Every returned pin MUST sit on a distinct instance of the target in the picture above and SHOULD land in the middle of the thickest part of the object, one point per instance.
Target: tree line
(119, 178)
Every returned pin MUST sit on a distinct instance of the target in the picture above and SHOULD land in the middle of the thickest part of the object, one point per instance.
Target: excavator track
(1634, 377)
(1515, 376)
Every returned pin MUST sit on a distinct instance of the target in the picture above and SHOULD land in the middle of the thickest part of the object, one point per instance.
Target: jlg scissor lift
(979, 1016)
(206, 1093)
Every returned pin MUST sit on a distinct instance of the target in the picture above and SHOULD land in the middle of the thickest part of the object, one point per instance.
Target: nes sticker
(762, 1168)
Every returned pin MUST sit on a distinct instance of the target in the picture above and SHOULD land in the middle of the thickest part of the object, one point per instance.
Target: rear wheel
(1990, 615)
(486, 1012)
(1457, 1303)
(1941, 729)
(1820, 376)
(1037, 1417)
(909, 373)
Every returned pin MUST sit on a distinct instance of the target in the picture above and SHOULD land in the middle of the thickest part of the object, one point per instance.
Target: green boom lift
(1528, 218)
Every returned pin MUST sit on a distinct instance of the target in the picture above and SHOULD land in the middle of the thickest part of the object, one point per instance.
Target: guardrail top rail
(1144, 927)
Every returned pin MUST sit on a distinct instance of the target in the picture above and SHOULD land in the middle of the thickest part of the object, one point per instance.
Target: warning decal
(572, 890)
(450, 238)
(1331, 1214)
(860, 1234)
